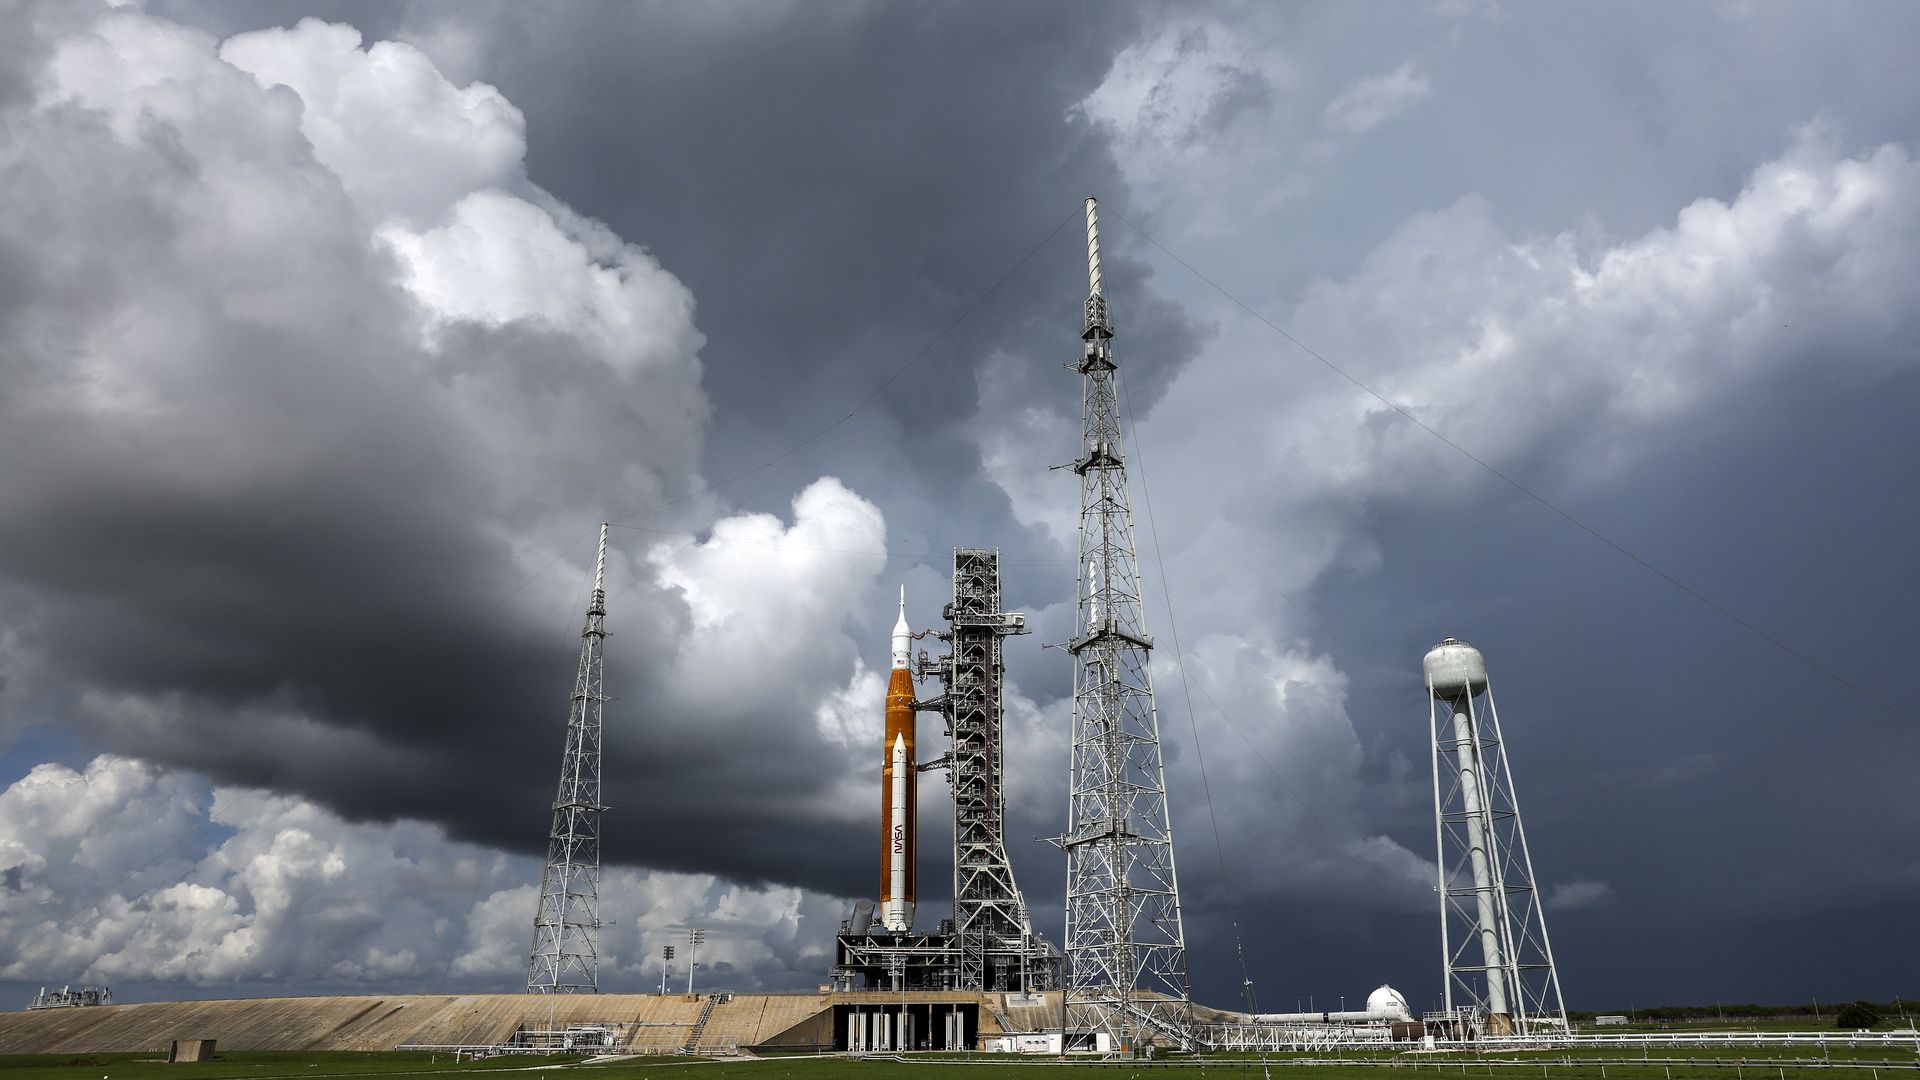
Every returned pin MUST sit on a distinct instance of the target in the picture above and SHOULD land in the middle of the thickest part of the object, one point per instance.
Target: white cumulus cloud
(311, 372)
(1519, 347)
(1371, 102)
(129, 872)
(754, 578)
(1172, 86)
(403, 140)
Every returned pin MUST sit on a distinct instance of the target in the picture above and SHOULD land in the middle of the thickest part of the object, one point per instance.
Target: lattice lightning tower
(1125, 948)
(566, 927)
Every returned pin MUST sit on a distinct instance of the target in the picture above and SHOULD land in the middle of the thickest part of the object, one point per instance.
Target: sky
(330, 331)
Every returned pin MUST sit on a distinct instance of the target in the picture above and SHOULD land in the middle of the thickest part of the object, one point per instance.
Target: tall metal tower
(1493, 933)
(1125, 948)
(566, 926)
(993, 934)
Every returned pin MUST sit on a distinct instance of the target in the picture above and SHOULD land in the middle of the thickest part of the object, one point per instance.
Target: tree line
(1848, 1015)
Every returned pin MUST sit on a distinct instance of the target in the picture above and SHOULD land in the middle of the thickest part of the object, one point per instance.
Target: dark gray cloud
(272, 524)
(1723, 788)
(305, 523)
(825, 257)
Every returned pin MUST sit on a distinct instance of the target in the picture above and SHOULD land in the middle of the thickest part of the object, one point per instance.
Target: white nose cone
(902, 635)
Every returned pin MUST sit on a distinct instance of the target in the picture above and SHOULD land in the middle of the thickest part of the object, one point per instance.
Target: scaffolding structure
(566, 926)
(868, 956)
(71, 997)
(993, 933)
(1126, 957)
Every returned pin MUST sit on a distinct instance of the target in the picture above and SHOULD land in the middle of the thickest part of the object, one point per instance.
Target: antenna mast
(1126, 951)
(566, 927)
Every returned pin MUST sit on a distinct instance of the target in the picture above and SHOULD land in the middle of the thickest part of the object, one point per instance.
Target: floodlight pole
(694, 938)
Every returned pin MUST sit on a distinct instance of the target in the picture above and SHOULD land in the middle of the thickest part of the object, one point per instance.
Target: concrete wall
(190, 1050)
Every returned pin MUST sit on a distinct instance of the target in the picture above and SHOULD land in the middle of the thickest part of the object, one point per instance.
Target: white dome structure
(1389, 1004)
(1384, 1004)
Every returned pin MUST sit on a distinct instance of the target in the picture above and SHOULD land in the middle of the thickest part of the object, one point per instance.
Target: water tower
(1493, 932)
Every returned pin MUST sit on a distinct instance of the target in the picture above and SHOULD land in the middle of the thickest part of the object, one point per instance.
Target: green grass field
(1745, 1063)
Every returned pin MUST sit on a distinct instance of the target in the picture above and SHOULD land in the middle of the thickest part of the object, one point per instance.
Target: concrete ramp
(338, 1023)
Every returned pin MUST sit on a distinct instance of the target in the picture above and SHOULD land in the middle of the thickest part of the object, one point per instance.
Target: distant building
(68, 997)
(1614, 1020)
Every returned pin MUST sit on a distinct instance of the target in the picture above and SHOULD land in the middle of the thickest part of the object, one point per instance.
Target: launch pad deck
(879, 960)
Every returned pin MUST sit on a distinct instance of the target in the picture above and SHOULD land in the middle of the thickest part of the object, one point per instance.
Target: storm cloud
(328, 340)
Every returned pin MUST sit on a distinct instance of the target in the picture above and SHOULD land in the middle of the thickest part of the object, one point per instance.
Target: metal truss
(1126, 970)
(995, 946)
(566, 927)
(871, 958)
(1493, 932)
(1281, 1038)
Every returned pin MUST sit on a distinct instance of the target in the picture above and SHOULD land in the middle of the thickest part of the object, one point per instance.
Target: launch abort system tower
(1493, 933)
(566, 926)
(1125, 947)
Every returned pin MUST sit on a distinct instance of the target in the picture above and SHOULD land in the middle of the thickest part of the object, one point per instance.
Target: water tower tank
(1454, 668)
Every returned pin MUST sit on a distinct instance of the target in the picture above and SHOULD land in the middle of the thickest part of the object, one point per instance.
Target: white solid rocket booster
(899, 912)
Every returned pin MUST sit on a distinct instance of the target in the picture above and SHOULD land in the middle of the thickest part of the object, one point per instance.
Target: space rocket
(897, 787)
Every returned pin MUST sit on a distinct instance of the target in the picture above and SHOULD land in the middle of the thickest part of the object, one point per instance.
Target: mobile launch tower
(1493, 933)
(1126, 955)
(566, 926)
(993, 936)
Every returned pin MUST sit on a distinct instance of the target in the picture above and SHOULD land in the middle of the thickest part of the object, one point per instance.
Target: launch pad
(1121, 978)
(877, 959)
(989, 944)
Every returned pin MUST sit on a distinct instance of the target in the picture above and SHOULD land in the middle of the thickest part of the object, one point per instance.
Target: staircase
(700, 1025)
(1000, 1018)
(1176, 1033)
